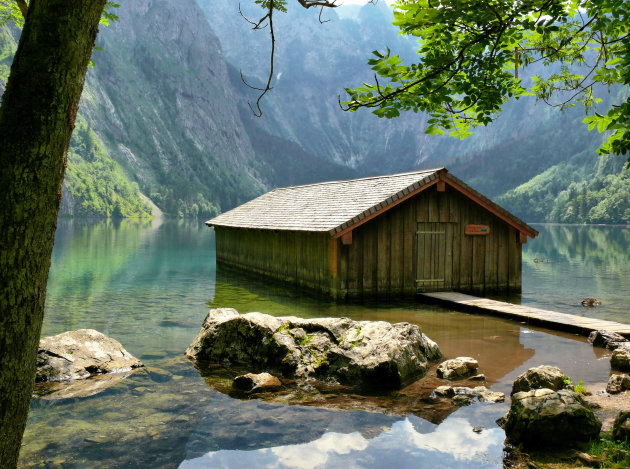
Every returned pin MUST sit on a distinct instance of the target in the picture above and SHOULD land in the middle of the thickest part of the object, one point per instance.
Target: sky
(362, 2)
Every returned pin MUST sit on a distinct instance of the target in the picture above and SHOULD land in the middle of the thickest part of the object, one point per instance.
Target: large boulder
(457, 368)
(544, 376)
(81, 354)
(357, 353)
(543, 418)
(621, 427)
(618, 383)
(607, 339)
(620, 359)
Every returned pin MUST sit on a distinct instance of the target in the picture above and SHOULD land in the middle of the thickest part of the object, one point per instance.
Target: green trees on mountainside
(96, 184)
(581, 190)
(470, 55)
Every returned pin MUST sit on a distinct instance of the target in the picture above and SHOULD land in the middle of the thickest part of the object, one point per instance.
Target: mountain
(511, 160)
(165, 119)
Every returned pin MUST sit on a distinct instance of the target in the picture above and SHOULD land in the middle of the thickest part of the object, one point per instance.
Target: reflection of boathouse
(380, 236)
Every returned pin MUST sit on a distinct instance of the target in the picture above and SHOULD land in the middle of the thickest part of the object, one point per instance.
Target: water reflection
(147, 286)
(585, 261)
(410, 442)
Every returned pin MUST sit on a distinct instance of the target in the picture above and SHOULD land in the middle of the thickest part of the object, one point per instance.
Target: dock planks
(527, 314)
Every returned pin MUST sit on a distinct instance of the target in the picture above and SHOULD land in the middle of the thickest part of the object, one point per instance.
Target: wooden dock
(526, 314)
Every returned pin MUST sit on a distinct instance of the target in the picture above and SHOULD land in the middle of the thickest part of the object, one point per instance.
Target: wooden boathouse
(384, 236)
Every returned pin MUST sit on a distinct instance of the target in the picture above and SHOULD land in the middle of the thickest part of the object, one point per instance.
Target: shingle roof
(324, 206)
(333, 206)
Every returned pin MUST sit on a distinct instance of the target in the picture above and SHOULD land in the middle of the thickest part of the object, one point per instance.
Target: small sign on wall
(479, 230)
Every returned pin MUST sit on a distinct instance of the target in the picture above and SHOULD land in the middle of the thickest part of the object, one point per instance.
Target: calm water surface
(149, 286)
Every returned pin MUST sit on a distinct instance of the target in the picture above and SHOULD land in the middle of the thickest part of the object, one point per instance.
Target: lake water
(149, 286)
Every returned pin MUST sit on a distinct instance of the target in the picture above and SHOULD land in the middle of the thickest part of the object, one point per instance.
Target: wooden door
(434, 263)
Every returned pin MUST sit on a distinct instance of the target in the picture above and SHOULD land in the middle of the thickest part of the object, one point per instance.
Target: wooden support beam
(346, 238)
(523, 237)
(441, 186)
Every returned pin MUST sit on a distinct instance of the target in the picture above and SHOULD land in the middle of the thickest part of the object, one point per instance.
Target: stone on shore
(356, 353)
(253, 383)
(81, 354)
(544, 418)
(618, 383)
(620, 360)
(544, 376)
(607, 339)
(621, 427)
(455, 368)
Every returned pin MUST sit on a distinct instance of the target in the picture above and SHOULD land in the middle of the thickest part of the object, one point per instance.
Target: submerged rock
(543, 417)
(607, 339)
(253, 383)
(78, 387)
(480, 392)
(620, 359)
(80, 354)
(618, 383)
(590, 302)
(459, 367)
(544, 376)
(621, 427)
(356, 353)
(462, 400)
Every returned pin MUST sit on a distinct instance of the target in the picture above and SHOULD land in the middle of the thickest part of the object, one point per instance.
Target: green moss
(304, 340)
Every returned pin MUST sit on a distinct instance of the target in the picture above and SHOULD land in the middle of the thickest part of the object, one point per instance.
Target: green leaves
(472, 53)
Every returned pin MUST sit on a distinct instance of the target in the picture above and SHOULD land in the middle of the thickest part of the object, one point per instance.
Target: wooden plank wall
(301, 258)
(383, 259)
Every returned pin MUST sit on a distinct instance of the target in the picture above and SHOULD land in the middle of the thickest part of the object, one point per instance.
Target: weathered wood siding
(301, 258)
(421, 245)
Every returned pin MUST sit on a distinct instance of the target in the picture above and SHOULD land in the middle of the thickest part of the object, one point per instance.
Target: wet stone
(80, 354)
(547, 418)
(620, 359)
(606, 339)
(479, 377)
(254, 383)
(361, 354)
(462, 400)
(544, 376)
(618, 383)
(455, 368)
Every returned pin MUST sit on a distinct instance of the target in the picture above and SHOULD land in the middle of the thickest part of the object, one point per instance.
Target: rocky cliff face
(157, 96)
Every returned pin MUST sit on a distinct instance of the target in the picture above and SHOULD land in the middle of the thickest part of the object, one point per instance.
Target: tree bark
(37, 116)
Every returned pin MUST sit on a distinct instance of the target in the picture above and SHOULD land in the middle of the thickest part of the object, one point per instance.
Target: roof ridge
(433, 170)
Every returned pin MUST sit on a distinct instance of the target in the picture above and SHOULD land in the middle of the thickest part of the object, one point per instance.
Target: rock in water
(621, 427)
(253, 383)
(543, 418)
(606, 339)
(618, 383)
(620, 359)
(459, 367)
(80, 354)
(357, 353)
(544, 376)
(590, 302)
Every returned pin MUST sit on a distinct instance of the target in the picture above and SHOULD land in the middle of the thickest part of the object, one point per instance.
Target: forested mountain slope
(165, 115)
(316, 61)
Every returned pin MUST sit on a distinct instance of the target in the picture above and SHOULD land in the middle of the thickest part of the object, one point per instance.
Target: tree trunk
(36, 121)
